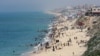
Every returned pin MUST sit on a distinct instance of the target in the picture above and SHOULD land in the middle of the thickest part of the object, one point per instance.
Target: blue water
(18, 30)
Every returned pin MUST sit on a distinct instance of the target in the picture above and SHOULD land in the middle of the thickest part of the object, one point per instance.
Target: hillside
(93, 24)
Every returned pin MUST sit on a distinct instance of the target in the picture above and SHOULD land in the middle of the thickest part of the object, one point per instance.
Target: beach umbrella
(81, 25)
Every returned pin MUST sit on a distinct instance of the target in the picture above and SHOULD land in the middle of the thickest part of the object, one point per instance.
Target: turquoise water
(18, 30)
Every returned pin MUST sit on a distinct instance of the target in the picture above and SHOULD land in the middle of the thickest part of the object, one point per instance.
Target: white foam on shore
(45, 39)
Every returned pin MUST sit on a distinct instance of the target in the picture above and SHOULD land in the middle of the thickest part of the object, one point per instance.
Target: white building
(94, 11)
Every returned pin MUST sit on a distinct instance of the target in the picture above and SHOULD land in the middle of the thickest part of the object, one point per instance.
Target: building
(94, 11)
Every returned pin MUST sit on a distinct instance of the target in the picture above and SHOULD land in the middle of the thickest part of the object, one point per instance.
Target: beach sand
(71, 40)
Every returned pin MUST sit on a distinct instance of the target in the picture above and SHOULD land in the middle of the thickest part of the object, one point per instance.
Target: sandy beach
(66, 40)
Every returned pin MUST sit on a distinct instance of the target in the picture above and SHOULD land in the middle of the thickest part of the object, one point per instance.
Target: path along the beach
(72, 41)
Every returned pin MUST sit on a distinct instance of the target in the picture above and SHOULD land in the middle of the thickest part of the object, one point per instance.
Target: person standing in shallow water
(13, 51)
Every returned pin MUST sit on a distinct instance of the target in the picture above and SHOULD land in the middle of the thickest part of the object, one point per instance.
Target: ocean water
(19, 30)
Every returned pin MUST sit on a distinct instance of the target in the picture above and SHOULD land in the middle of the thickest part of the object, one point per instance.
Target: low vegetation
(94, 43)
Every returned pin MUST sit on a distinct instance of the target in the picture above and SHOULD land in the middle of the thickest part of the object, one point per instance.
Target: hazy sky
(39, 5)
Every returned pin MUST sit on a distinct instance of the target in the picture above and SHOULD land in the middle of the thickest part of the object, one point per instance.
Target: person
(64, 44)
(41, 44)
(75, 37)
(88, 28)
(53, 49)
(13, 51)
(70, 40)
(31, 44)
(35, 39)
(46, 45)
(68, 43)
(62, 34)
(73, 53)
(66, 28)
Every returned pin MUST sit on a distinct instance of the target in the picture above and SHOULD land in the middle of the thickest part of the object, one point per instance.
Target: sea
(20, 29)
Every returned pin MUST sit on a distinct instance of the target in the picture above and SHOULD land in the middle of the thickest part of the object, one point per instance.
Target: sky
(40, 5)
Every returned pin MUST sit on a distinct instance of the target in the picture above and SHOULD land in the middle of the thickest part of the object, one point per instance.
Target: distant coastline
(53, 13)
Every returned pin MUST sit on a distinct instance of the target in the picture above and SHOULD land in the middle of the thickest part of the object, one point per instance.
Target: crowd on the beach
(57, 31)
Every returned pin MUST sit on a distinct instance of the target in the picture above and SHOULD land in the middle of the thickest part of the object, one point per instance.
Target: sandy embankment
(71, 41)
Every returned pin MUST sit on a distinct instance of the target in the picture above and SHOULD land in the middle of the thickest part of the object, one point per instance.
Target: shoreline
(45, 39)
